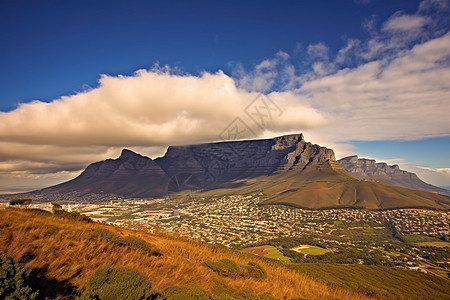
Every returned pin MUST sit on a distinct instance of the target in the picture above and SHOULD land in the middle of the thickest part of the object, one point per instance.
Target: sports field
(310, 250)
(267, 251)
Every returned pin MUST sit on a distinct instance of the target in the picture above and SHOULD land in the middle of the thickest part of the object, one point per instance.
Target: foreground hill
(64, 253)
(369, 169)
(69, 257)
(286, 169)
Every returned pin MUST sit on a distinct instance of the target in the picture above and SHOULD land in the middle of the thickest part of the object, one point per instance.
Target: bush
(229, 268)
(184, 293)
(256, 271)
(71, 215)
(226, 267)
(14, 280)
(112, 283)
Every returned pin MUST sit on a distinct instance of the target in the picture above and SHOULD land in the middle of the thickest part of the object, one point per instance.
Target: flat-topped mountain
(224, 162)
(368, 169)
(286, 170)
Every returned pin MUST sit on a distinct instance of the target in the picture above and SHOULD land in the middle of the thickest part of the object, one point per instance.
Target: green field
(425, 240)
(312, 250)
(274, 253)
(267, 251)
(439, 244)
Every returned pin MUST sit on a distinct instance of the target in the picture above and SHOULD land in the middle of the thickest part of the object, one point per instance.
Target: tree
(20, 201)
(56, 206)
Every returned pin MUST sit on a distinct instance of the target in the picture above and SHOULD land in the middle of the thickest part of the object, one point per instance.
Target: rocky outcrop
(369, 169)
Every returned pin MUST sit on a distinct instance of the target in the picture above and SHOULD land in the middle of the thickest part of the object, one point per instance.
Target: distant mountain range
(285, 170)
(369, 169)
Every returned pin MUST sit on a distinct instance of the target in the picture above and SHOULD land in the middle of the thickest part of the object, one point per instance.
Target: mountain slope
(286, 169)
(362, 168)
(130, 175)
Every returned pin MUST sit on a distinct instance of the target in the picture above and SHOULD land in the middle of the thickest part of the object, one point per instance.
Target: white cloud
(401, 22)
(146, 112)
(435, 176)
(428, 6)
(406, 98)
(318, 51)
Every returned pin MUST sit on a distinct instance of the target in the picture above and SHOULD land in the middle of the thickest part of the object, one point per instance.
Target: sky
(81, 80)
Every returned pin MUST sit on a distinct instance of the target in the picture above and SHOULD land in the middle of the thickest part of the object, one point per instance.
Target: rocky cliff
(199, 166)
(368, 169)
(285, 170)
(228, 161)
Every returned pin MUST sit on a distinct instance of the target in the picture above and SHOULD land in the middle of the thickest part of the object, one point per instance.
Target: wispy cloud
(401, 22)
(394, 85)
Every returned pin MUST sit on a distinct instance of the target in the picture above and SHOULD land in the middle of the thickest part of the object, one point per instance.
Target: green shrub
(229, 268)
(14, 280)
(226, 267)
(72, 215)
(137, 243)
(184, 293)
(113, 283)
(256, 271)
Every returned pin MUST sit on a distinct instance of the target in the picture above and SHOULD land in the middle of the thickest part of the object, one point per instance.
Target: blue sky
(53, 48)
(302, 54)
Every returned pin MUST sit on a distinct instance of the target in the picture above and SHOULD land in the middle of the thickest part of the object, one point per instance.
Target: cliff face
(362, 168)
(198, 166)
(286, 169)
(227, 161)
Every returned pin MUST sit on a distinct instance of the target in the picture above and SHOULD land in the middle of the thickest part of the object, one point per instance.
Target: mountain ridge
(286, 170)
(367, 169)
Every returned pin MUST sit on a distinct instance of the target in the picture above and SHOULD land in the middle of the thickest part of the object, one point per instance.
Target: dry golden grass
(67, 253)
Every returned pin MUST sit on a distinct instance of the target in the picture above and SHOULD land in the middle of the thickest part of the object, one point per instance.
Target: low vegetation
(118, 283)
(15, 280)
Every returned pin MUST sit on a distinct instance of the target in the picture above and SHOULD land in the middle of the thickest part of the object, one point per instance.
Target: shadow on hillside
(50, 288)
